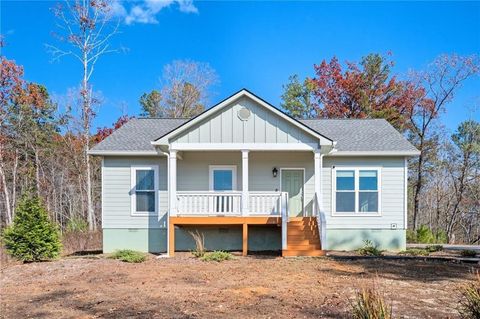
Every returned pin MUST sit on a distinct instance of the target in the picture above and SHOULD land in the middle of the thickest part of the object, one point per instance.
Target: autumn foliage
(364, 90)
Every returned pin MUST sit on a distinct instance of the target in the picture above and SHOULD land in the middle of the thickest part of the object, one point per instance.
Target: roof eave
(376, 153)
(123, 153)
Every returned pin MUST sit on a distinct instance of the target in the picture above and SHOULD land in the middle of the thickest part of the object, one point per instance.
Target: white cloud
(187, 6)
(146, 11)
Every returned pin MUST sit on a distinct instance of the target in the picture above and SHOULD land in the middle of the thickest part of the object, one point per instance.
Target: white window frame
(133, 191)
(212, 168)
(357, 191)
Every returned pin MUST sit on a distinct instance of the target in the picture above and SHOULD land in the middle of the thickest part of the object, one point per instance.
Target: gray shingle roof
(362, 135)
(136, 135)
(352, 135)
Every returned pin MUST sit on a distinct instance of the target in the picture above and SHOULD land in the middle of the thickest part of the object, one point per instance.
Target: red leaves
(363, 90)
(103, 133)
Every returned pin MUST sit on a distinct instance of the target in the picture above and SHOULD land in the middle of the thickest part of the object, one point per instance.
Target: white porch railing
(228, 203)
(264, 203)
(209, 203)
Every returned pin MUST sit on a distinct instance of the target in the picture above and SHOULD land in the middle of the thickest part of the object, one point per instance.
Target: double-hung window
(144, 190)
(356, 191)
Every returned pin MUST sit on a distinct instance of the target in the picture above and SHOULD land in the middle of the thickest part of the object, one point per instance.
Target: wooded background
(43, 144)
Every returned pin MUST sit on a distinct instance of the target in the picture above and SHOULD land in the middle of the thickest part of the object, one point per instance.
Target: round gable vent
(244, 114)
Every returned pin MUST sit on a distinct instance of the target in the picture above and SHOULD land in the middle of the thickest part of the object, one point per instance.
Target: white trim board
(243, 146)
(133, 197)
(212, 168)
(356, 169)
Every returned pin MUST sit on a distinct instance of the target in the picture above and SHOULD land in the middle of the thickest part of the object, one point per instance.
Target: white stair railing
(321, 221)
(284, 210)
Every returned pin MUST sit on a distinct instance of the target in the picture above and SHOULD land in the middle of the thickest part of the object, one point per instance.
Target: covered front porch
(242, 188)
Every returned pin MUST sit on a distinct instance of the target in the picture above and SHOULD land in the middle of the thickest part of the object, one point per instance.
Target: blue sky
(256, 45)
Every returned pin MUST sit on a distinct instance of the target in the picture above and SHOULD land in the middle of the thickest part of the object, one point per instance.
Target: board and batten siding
(392, 193)
(263, 126)
(116, 188)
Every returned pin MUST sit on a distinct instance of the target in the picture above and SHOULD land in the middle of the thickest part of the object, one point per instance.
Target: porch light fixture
(274, 172)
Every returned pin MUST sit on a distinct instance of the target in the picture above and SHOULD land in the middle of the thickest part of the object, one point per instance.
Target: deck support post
(171, 239)
(245, 208)
(245, 239)
(172, 200)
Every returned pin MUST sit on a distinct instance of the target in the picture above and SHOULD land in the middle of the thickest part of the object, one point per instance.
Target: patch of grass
(468, 253)
(129, 256)
(370, 304)
(434, 248)
(217, 256)
(414, 252)
(199, 239)
(369, 249)
(469, 306)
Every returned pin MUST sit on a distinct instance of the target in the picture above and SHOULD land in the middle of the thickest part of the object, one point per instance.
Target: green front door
(292, 182)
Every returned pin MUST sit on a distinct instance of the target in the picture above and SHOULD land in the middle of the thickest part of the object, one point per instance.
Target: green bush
(77, 224)
(468, 253)
(424, 235)
(469, 306)
(414, 252)
(32, 236)
(217, 256)
(129, 256)
(434, 248)
(369, 249)
(369, 304)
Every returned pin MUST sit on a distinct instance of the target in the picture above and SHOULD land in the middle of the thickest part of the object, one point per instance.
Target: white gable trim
(243, 93)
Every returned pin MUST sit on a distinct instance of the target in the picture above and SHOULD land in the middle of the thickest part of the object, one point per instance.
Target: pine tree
(32, 236)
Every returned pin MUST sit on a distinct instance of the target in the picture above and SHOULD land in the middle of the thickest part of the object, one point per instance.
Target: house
(252, 178)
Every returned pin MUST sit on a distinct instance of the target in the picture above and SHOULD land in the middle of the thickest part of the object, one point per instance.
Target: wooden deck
(303, 238)
(219, 220)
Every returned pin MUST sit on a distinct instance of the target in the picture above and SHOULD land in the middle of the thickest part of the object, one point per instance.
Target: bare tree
(185, 90)
(86, 30)
(441, 81)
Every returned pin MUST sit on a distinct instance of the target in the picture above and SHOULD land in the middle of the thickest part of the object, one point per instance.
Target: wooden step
(301, 232)
(303, 247)
(306, 228)
(303, 241)
(306, 253)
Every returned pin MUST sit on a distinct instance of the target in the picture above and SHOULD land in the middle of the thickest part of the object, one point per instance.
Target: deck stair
(303, 238)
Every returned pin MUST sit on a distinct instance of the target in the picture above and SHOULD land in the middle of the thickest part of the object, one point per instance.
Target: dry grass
(81, 243)
(470, 303)
(370, 303)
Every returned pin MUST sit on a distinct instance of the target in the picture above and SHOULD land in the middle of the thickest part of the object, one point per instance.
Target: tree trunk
(418, 186)
(86, 95)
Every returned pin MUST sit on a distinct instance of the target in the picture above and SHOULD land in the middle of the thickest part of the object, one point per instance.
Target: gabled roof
(163, 140)
(353, 136)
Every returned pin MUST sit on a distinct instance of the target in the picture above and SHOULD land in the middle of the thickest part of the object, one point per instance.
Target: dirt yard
(250, 287)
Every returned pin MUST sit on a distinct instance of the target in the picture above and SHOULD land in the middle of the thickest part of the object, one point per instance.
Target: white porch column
(172, 181)
(320, 214)
(245, 208)
(318, 159)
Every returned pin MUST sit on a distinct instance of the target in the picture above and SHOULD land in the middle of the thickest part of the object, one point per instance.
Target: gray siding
(263, 126)
(392, 193)
(193, 175)
(116, 204)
